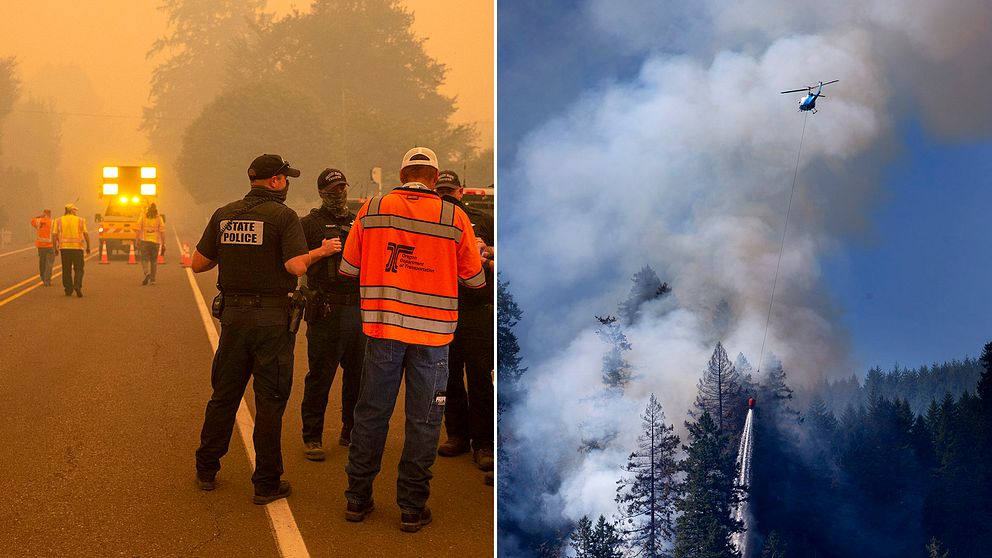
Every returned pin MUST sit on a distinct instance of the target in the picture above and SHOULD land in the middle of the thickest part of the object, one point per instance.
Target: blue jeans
(426, 371)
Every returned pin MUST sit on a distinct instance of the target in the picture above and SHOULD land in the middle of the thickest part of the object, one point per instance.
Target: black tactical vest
(251, 236)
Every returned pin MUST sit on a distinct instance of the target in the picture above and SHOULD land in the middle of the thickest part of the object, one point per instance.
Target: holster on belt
(320, 305)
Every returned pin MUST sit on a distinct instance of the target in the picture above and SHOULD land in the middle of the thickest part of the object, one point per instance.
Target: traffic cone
(161, 255)
(130, 257)
(103, 253)
(186, 262)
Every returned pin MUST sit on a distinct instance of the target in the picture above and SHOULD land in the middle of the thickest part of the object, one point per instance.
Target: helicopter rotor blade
(829, 82)
(796, 90)
(822, 96)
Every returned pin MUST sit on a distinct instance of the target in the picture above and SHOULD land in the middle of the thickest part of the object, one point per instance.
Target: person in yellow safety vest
(70, 234)
(150, 236)
(46, 255)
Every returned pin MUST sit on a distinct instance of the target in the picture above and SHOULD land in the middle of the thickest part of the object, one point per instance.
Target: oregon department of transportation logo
(395, 250)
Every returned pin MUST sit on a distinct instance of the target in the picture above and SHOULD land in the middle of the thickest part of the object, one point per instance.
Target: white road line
(16, 251)
(284, 528)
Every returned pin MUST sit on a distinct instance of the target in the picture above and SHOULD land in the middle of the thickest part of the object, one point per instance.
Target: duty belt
(257, 300)
(342, 299)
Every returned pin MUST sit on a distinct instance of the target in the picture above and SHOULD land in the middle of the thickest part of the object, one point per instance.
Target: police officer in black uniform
(468, 418)
(334, 318)
(259, 246)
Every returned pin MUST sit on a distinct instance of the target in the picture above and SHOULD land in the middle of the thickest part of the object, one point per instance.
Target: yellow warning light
(109, 189)
(123, 199)
(135, 199)
(148, 172)
(110, 172)
(147, 189)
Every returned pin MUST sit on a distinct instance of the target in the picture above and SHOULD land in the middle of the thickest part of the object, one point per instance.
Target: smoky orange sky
(89, 59)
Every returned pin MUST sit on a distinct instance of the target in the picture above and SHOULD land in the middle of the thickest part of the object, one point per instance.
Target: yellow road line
(26, 281)
(15, 296)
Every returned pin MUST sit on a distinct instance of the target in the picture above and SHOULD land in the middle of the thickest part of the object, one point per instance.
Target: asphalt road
(102, 400)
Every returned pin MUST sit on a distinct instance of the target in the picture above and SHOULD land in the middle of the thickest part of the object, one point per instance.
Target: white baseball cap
(419, 156)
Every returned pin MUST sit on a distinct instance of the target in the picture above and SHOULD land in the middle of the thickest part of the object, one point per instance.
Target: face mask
(335, 202)
(278, 195)
(281, 194)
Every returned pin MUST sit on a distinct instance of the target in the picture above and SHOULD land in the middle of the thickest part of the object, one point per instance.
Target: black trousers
(470, 357)
(254, 343)
(72, 269)
(336, 339)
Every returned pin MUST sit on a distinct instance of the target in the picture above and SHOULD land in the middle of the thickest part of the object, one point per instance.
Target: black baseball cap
(269, 165)
(448, 179)
(330, 177)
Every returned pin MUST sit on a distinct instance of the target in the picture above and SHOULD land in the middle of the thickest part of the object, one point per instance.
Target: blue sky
(917, 291)
(903, 282)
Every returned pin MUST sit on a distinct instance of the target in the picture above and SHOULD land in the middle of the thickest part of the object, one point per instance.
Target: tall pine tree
(720, 392)
(646, 495)
(704, 528)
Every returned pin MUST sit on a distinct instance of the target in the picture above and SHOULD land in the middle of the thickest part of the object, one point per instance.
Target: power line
(98, 115)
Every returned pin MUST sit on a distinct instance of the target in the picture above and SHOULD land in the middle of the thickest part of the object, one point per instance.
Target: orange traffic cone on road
(186, 262)
(161, 255)
(103, 253)
(130, 257)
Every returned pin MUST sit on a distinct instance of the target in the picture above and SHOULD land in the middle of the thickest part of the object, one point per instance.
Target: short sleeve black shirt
(251, 253)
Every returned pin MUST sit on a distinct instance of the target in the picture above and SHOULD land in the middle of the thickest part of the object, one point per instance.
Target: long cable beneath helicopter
(781, 249)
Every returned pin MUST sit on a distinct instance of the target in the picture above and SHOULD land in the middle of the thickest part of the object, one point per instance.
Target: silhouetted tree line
(880, 479)
(344, 84)
(20, 192)
(916, 386)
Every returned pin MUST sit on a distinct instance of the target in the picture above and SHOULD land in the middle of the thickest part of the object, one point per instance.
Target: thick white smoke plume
(688, 168)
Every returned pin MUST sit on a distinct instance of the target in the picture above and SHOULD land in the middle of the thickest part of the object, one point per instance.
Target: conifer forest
(886, 463)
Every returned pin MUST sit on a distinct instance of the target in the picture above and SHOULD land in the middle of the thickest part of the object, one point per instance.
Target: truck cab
(128, 190)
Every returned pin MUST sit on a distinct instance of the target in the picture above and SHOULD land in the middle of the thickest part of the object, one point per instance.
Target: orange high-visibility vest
(410, 251)
(149, 227)
(44, 226)
(70, 230)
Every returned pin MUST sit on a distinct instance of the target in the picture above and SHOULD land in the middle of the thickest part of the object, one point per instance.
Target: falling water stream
(742, 510)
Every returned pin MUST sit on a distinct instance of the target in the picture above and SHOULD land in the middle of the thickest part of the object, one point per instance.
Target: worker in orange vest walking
(46, 254)
(410, 251)
(70, 236)
(150, 237)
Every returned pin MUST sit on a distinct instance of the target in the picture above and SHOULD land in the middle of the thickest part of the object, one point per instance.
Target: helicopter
(809, 101)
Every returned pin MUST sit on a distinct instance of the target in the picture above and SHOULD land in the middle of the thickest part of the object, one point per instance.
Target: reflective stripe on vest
(448, 232)
(476, 281)
(405, 297)
(444, 228)
(348, 269)
(409, 322)
(410, 297)
(150, 233)
(44, 237)
(64, 236)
